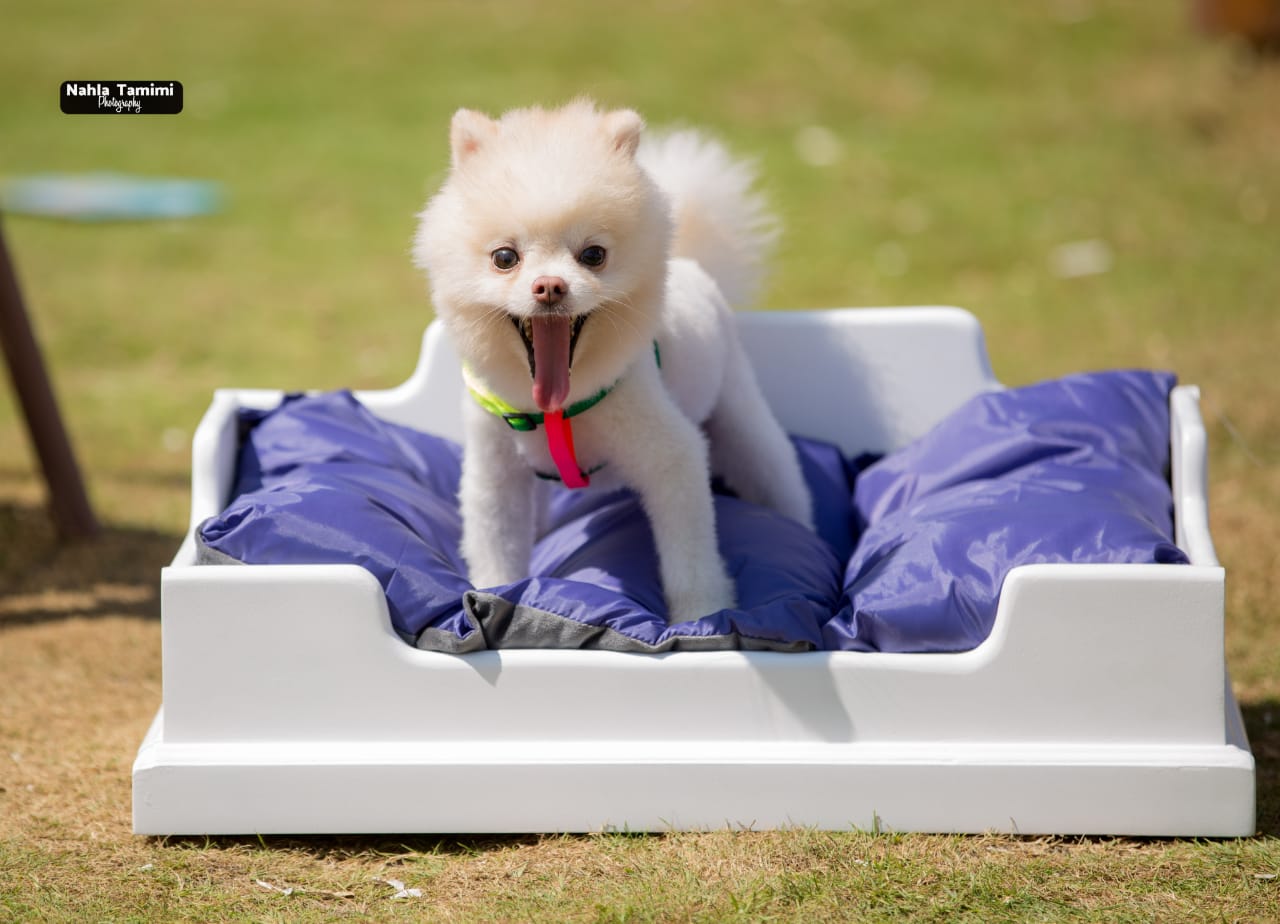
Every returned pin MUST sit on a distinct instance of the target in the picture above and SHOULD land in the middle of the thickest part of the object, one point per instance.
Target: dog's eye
(592, 256)
(504, 258)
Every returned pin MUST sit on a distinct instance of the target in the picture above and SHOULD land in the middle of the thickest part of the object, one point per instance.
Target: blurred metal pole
(68, 502)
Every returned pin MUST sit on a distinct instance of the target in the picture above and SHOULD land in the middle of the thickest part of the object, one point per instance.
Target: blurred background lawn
(1096, 181)
(943, 156)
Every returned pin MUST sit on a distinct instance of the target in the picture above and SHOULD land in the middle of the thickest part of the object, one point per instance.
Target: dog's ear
(624, 127)
(468, 132)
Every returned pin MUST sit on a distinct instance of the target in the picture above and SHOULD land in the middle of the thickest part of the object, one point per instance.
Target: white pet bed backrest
(869, 379)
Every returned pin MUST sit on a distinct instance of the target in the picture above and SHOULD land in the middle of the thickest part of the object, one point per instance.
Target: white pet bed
(291, 706)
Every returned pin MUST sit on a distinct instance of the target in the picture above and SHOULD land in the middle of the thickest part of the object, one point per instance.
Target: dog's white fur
(682, 229)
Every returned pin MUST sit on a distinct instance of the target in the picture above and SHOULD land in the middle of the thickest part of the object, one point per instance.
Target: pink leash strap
(560, 445)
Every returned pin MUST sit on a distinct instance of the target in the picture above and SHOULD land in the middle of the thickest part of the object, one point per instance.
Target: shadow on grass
(178, 478)
(115, 574)
(387, 846)
(1262, 722)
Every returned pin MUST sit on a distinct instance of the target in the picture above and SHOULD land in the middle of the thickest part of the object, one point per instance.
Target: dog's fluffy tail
(720, 220)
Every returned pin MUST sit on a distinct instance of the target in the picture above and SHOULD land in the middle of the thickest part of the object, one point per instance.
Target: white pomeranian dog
(585, 277)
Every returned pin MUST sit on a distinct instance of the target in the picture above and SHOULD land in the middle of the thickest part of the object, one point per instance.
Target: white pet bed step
(290, 705)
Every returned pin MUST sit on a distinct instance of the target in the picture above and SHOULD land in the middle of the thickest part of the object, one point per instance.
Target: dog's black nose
(550, 290)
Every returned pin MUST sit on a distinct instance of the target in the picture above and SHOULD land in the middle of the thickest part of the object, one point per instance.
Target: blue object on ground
(108, 197)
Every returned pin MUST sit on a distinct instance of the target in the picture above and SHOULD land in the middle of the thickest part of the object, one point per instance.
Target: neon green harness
(517, 419)
(525, 423)
(562, 436)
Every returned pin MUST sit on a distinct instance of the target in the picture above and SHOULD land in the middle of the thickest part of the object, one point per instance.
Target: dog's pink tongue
(551, 335)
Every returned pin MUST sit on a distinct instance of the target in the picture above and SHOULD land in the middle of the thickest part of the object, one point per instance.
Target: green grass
(972, 143)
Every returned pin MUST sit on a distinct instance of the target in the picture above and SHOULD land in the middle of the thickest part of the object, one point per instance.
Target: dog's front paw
(710, 595)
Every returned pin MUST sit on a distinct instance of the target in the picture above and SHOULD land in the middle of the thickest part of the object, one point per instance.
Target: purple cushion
(1071, 470)
(1064, 471)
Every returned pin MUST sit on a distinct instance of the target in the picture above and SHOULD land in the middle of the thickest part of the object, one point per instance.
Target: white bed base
(1099, 705)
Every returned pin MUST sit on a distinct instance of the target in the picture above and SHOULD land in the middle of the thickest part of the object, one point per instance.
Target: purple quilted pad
(909, 556)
